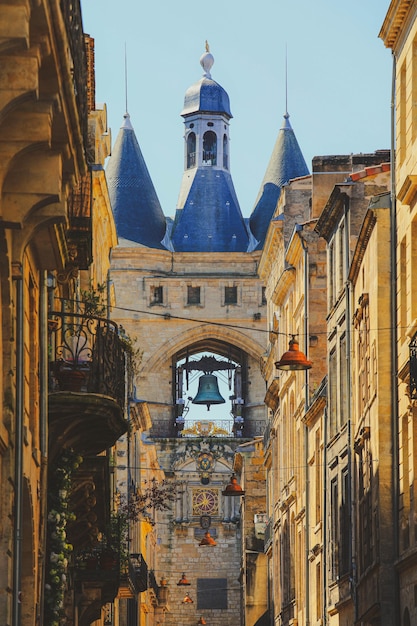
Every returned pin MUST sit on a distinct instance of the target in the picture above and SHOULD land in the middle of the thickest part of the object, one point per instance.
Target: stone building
(399, 33)
(43, 135)
(355, 482)
(294, 271)
(309, 442)
(62, 409)
(187, 289)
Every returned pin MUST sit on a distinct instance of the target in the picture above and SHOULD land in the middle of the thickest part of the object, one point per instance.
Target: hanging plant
(94, 300)
(58, 548)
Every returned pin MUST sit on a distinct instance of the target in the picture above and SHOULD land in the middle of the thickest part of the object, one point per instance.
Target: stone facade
(151, 288)
(399, 33)
(309, 452)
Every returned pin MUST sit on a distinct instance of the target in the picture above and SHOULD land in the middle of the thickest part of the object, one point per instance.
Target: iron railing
(87, 355)
(71, 12)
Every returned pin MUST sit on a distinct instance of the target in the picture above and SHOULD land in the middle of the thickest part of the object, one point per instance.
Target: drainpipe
(18, 478)
(394, 349)
(299, 228)
(43, 425)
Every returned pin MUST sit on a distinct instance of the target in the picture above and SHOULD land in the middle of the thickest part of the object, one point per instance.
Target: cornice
(398, 14)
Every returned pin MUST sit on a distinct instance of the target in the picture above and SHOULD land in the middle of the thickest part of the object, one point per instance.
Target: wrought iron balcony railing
(138, 572)
(71, 12)
(87, 355)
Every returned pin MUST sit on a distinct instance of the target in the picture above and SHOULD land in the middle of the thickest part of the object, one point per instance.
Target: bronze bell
(208, 391)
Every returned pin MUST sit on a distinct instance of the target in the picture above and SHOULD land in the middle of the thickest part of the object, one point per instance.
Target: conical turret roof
(136, 208)
(210, 220)
(286, 162)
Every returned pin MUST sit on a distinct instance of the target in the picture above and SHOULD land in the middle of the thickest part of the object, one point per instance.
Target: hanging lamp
(183, 582)
(293, 359)
(201, 620)
(207, 540)
(187, 599)
(233, 488)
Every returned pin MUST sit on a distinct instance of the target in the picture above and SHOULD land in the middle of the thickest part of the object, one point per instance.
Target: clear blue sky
(339, 78)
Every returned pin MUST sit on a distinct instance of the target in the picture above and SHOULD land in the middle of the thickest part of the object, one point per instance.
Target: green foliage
(58, 549)
(94, 300)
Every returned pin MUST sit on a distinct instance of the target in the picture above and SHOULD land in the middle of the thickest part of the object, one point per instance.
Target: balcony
(134, 576)
(96, 582)
(87, 384)
(80, 231)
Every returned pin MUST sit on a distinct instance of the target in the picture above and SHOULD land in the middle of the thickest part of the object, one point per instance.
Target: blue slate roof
(206, 96)
(136, 208)
(210, 220)
(286, 162)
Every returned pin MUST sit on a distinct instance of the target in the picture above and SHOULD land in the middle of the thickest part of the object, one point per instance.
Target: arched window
(210, 148)
(225, 152)
(191, 141)
(406, 618)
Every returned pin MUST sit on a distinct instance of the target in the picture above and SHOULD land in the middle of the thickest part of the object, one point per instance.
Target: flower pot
(71, 380)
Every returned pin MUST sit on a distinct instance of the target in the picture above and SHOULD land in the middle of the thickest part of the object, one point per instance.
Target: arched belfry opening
(210, 148)
(191, 150)
(225, 152)
(210, 387)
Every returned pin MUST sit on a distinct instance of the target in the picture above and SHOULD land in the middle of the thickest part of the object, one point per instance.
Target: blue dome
(206, 96)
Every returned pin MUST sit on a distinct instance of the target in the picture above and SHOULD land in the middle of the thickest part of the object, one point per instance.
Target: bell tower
(208, 216)
(206, 134)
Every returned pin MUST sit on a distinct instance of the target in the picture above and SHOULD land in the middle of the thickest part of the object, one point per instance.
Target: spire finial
(206, 61)
(286, 83)
(126, 77)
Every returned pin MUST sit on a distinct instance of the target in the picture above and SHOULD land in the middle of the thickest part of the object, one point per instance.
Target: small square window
(157, 295)
(212, 593)
(230, 295)
(193, 295)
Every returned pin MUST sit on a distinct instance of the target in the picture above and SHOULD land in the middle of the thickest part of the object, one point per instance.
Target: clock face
(205, 501)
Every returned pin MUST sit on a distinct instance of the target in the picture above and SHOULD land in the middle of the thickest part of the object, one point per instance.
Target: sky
(323, 58)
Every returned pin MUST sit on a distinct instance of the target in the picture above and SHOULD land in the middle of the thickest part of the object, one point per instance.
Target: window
(346, 526)
(157, 295)
(230, 295)
(212, 593)
(225, 153)
(191, 143)
(263, 296)
(210, 148)
(334, 530)
(193, 295)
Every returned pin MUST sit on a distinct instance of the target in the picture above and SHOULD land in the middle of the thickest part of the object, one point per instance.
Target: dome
(206, 95)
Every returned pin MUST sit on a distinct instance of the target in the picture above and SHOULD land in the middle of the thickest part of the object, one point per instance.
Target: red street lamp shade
(293, 359)
(201, 620)
(207, 540)
(187, 600)
(183, 582)
(233, 488)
